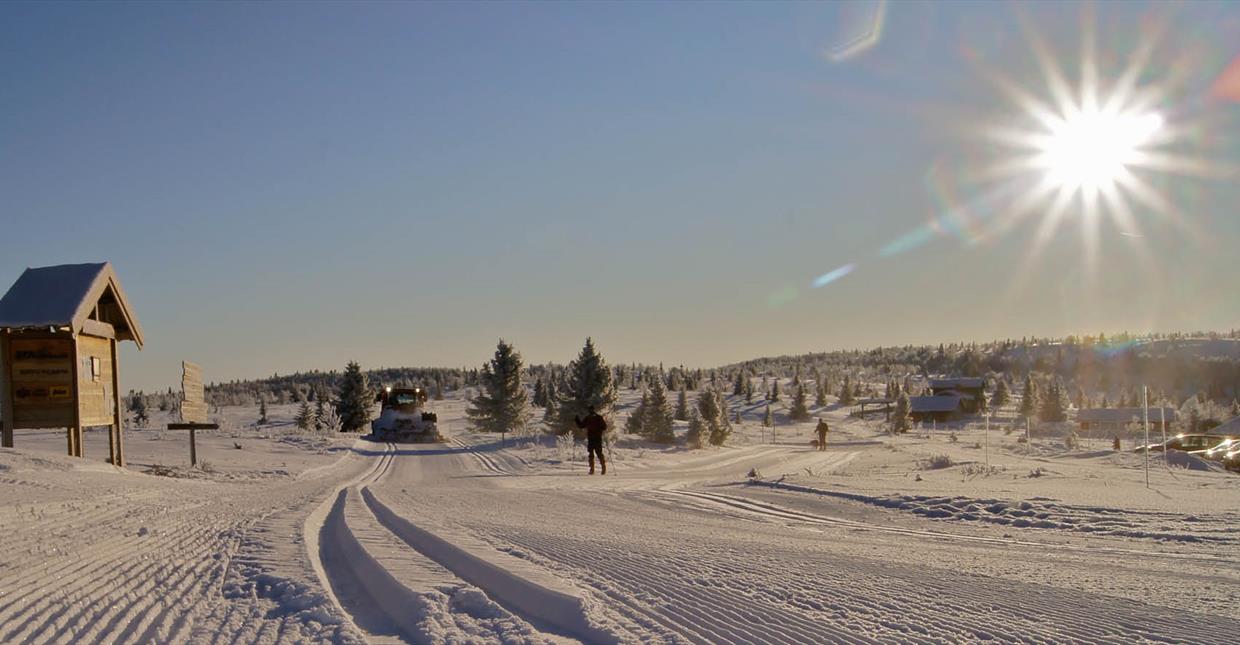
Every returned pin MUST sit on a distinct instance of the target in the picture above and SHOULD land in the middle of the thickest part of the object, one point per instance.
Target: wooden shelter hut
(59, 327)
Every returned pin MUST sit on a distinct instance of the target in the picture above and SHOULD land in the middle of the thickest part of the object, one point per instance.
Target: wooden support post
(193, 449)
(6, 400)
(118, 415)
(75, 429)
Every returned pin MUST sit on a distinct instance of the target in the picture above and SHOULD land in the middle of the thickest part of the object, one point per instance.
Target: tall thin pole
(986, 439)
(1162, 421)
(1145, 415)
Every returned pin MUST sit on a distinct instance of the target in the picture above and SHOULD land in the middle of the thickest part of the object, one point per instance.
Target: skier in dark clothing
(595, 426)
(822, 430)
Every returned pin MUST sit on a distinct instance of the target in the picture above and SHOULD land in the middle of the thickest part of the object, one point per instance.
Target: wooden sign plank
(193, 395)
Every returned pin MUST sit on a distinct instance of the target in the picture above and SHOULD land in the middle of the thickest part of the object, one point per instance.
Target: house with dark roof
(969, 390)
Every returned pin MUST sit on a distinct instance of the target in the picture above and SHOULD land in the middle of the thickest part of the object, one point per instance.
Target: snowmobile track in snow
(765, 510)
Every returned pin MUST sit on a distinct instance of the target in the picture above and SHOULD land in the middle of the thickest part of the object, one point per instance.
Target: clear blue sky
(289, 186)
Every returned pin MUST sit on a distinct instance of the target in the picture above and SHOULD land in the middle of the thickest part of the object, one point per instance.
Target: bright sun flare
(1092, 150)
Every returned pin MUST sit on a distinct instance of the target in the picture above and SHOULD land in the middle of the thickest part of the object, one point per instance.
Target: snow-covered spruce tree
(540, 394)
(774, 398)
(725, 421)
(636, 423)
(1029, 398)
(768, 419)
(438, 390)
(353, 399)
(846, 391)
(738, 388)
(682, 405)
(708, 410)
(820, 395)
(697, 428)
(800, 408)
(551, 411)
(983, 405)
(657, 417)
(1002, 395)
(320, 411)
(1052, 403)
(901, 419)
(588, 384)
(305, 416)
(748, 390)
(501, 404)
(262, 410)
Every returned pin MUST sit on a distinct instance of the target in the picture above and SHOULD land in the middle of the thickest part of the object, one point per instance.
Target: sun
(1092, 150)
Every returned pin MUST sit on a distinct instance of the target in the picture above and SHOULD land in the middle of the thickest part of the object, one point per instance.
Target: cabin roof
(952, 383)
(934, 403)
(68, 295)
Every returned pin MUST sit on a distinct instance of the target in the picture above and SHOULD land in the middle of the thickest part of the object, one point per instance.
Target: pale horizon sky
(289, 186)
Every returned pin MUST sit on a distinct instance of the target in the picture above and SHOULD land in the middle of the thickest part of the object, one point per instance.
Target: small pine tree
(305, 416)
(540, 394)
(846, 391)
(353, 401)
(551, 412)
(901, 417)
(682, 405)
(697, 428)
(708, 407)
(657, 417)
(636, 422)
(774, 398)
(1029, 398)
(320, 411)
(262, 410)
(1052, 404)
(588, 385)
(438, 390)
(500, 406)
(768, 419)
(820, 395)
(1002, 395)
(799, 410)
(983, 405)
(748, 391)
(738, 388)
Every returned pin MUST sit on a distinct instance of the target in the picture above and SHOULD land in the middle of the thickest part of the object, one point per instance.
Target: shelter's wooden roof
(947, 403)
(69, 295)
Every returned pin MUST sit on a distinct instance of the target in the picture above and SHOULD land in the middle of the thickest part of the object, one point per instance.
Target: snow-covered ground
(297, 537)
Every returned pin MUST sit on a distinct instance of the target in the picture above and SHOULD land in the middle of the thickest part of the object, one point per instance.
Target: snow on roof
(934, 403)
(64, 296)
(965, 382)
(1122, 415)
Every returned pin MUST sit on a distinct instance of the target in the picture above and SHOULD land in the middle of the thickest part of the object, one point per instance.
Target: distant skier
(822, 434)
(595, 426)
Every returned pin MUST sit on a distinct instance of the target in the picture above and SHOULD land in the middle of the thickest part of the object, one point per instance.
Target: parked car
(1219, 451)
(1185, 442)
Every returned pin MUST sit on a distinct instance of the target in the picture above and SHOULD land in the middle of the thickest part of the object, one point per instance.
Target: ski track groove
(486, 461)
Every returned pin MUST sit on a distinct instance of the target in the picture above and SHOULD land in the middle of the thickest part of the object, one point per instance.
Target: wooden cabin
(970, 390)
(59, 327)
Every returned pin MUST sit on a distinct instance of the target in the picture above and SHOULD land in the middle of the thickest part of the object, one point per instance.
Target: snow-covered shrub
(935, 462)
(564, 447)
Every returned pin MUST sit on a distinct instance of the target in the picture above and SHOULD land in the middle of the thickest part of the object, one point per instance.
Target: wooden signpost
(59, 327)
(193, 408)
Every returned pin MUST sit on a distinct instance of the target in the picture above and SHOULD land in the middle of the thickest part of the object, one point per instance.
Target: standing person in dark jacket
(595, 426)
(822, 430)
